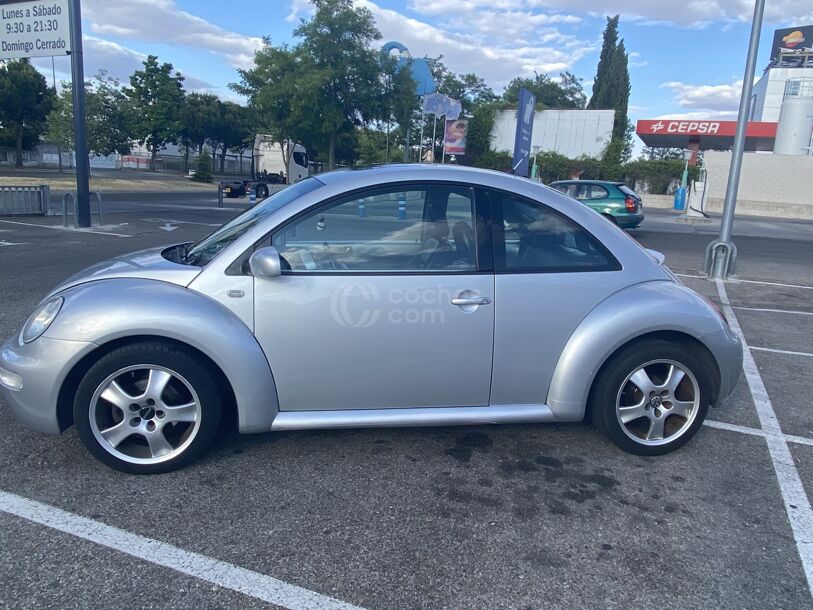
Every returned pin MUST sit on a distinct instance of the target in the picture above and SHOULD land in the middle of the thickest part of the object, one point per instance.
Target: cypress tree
(608, 48)
(611, 89)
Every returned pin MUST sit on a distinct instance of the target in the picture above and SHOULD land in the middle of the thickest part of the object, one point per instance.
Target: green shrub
(203, 168)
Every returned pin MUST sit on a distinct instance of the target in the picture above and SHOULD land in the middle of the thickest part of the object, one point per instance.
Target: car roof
(411, 171)
(599, 182)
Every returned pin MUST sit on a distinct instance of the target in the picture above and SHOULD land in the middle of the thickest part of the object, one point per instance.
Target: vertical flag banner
(525, 128)
(455, 137)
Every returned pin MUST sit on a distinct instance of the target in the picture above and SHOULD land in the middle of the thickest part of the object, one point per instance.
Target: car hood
(144, 264)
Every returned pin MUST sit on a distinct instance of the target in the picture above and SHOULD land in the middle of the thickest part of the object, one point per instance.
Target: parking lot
(525, 516)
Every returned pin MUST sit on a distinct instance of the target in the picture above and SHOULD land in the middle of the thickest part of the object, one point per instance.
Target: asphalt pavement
(530, 516)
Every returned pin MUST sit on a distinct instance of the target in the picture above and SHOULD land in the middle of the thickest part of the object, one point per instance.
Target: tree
(341, 69)
(232, 129)
(200, 115)
(108, 117)
(25, 101)
(608, 48)
(277, 92)
(469, 89)
(565, 94)
(158, 97)
(611, 89)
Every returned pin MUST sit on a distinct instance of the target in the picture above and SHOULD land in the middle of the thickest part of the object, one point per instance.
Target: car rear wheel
(147, 408)
(653, 396)
(611, 218)
(261, 191)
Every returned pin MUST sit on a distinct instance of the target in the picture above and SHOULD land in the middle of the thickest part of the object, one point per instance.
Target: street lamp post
(721, 254)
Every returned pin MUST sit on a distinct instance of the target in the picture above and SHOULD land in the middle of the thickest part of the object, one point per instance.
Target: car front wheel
(147, 408)
(653, 396)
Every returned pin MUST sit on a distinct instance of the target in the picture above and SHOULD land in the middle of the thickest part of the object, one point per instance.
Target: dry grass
(68, 183)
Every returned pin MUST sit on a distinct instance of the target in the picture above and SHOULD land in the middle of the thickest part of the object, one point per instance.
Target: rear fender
(626, 315)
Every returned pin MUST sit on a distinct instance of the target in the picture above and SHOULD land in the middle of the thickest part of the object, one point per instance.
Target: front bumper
(42, 367)
(726, 348)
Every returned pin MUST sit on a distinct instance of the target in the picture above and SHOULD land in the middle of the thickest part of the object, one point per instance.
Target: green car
(614, 200)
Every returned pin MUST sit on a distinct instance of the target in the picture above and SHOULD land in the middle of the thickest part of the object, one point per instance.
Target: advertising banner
(34, 29)
(454, 140)
(792, 39)
(525, 129)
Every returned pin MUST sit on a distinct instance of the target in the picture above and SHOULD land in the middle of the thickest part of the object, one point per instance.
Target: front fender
(107, 310)
(630, 313)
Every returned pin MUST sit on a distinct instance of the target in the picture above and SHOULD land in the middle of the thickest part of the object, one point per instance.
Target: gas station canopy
(704, 135)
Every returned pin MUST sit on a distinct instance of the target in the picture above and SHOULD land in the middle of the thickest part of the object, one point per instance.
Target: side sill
(424, 416)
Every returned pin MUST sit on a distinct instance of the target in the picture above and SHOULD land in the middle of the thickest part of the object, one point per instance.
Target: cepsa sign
(34, 29)
(687, 127)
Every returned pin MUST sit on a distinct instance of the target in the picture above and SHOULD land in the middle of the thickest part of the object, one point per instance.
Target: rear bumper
(726, 348)
(41, 366)
(629, 221)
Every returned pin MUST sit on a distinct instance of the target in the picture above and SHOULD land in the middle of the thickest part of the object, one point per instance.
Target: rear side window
(588, 192)
(530, 237)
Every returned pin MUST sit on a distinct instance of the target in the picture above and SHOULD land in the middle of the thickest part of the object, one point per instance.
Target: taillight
(632, 205)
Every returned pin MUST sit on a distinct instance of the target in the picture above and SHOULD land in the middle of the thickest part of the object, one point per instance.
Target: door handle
(469, 301)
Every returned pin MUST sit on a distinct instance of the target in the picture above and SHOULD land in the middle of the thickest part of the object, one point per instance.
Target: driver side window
(404, 228)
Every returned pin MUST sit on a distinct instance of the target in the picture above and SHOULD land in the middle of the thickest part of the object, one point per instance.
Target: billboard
(34, 29)
(454, 140)
(792, 39)
(525, 129)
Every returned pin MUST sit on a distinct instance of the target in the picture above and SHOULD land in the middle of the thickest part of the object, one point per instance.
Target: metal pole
(723, 257)
(78, 77)
(434, 136)
(420, 142)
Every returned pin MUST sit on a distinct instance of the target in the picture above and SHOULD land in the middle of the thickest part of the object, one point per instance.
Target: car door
(385, 301)
(549, 274)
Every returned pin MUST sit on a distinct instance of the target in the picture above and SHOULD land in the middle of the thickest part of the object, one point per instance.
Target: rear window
(627, 191)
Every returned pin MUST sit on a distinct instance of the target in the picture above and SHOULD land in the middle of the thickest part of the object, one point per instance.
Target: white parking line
(220, 573)
(721, 425)
(738, 281)
(797, 505)
(788, 311)
(781, 351)
(61, 228)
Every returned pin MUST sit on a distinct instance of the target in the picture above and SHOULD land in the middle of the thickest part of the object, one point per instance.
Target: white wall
(770, 185)
(568, 132)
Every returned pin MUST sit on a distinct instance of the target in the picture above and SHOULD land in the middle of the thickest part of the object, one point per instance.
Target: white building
(571, 133)
(770, 91)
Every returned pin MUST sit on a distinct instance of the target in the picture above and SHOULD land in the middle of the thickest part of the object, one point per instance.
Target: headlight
(40, 320)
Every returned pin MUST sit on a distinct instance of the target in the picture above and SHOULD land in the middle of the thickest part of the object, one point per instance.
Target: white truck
(270, 168)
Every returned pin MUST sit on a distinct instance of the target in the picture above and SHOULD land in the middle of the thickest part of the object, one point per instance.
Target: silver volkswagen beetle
(405, 295)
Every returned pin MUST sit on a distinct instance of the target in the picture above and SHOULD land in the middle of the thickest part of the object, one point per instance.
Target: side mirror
(265, 262)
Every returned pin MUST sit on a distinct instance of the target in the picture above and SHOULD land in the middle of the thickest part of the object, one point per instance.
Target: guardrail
(24, 200)
(70, 197)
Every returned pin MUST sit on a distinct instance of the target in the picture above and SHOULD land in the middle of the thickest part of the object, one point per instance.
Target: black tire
(261, 191)
(612, 386)
(611, 218)
(190, 370)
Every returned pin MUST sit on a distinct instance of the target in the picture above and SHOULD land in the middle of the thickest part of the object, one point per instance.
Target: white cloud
(696, 13)
(163, 21)
(496, 53)
(299, 8)
(715, 98)
(119, 62)
(715, 115)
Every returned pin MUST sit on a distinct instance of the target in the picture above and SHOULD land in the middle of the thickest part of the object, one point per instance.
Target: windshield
(628, 191)
(204, 251)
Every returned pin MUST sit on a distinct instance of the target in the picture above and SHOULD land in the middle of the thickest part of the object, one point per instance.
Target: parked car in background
(614, 200)
(405, 295)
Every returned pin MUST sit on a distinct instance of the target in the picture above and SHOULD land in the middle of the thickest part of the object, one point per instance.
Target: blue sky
(687, 56)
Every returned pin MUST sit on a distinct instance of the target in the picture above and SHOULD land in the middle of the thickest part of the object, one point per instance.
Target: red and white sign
(703, 128)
